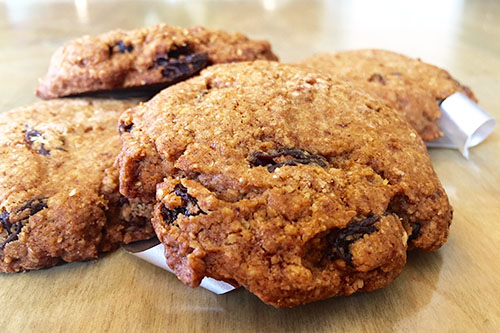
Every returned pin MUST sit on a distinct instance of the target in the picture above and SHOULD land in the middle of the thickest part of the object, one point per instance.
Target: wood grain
(455, 289)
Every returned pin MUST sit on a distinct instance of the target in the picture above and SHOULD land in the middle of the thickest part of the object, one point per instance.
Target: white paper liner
(464, 124)
(154, 252)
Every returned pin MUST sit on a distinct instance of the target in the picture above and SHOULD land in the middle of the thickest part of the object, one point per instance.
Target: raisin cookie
(154, 56)
(411, 86)
(289, 183)
(58, 189)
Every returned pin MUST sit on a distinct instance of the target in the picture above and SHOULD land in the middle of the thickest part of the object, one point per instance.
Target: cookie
(154, 57)
(289, 183)
(59, 195)
(411, 86)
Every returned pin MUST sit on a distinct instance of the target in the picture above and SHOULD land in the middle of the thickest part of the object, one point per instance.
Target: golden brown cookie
(153, 57)
(58, 189)
(296, 186)
(411, 86)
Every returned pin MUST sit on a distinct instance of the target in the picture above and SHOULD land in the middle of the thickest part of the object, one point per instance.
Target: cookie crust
(150, 57)
(296, 186)
(59, 195)
(411, 86)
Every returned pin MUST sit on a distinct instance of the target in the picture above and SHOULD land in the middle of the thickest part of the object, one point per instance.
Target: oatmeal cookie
(58, 188)
(295, 186)
(156, 56)
(411, 86)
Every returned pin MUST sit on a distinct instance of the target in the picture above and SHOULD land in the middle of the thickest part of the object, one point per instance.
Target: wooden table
(454, 289)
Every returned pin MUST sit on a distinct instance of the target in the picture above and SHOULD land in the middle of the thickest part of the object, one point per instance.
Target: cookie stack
(298, 182)
(59, 196)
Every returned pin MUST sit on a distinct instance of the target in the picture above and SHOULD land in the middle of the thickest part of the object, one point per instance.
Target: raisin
(180, 68)
(12, 235)
(377, 78)
(415, 231)
(123, 201)
(180, 51)
(189, 206)
(120, 47)
(4, 219)
(32, 135)
(299, 156)
(180, 62)
(342, 240)
(13, 229)
(122, 128)
(169, 215)
(34, 205)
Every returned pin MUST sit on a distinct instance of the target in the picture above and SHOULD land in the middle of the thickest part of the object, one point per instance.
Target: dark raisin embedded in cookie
(189, 206)
(180, 62)
(415, 231)
(33, 137)
(6, 225)
(409, 85)
(120, 47)
(354, 231)
(294, 185)
(181, 66)
(143, 60)
(377, 78)
(277, 159)
(125, 128)
(21, 216)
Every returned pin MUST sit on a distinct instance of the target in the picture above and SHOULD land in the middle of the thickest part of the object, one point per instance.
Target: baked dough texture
(152, 57)
(59, 197)
(411, 86)
(292, 184)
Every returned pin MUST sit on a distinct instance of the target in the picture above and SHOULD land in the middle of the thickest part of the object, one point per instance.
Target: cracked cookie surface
(411, 86)
(150, 57)
(58, 188)
(295, 186)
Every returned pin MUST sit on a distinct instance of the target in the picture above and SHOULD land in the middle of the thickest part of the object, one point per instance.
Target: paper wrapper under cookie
(464, 124)
(154, 252)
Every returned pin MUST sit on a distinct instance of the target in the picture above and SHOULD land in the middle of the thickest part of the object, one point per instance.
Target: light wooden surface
(456, 289)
